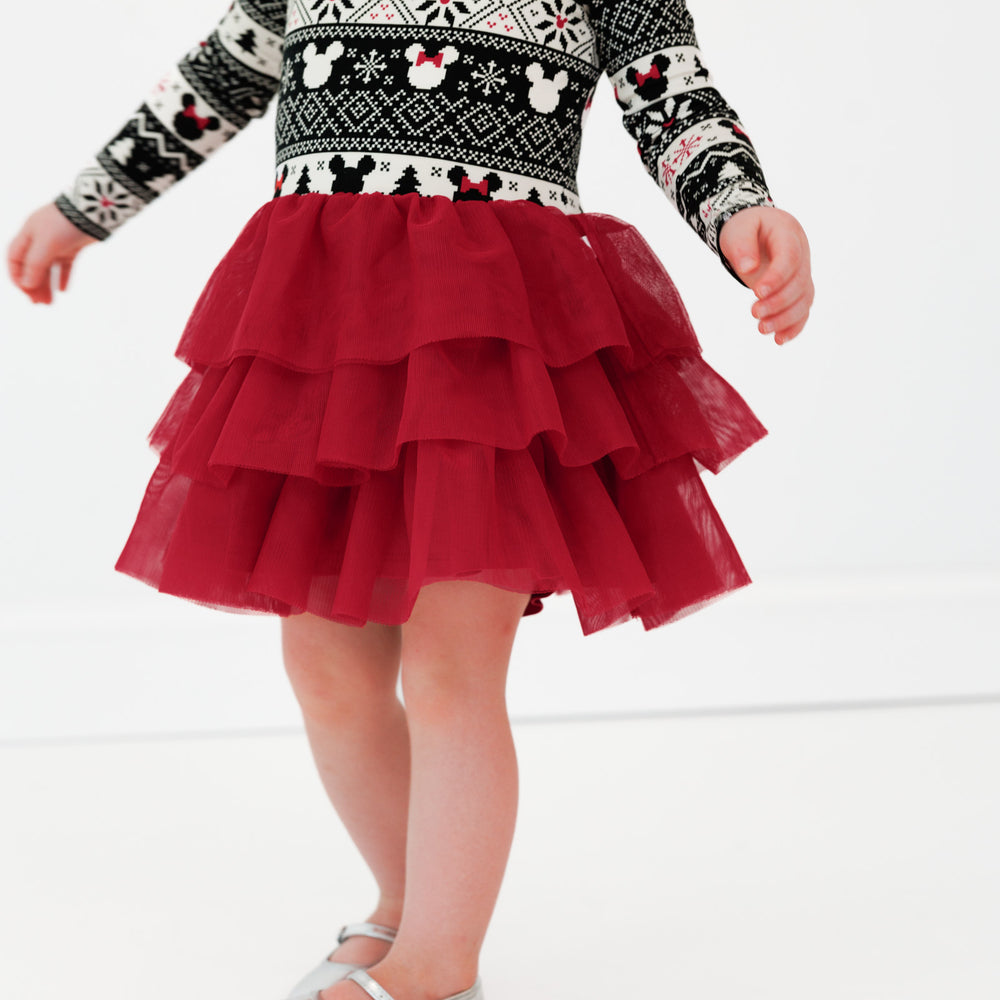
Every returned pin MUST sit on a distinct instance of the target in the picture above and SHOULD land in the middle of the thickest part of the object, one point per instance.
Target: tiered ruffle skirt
(391, 390)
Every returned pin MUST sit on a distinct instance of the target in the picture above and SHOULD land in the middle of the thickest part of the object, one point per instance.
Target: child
(428, 389)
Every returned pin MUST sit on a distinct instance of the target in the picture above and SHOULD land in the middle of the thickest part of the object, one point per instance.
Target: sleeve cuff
(79, 219)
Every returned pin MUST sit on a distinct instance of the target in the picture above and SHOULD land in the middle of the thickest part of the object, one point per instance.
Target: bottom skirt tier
(390, 391)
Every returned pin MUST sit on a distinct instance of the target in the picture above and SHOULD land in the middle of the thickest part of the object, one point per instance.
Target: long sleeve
(214, 91)
(690, 140)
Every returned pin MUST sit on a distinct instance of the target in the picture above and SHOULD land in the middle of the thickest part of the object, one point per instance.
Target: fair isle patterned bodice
(468, 99)
(448, 97)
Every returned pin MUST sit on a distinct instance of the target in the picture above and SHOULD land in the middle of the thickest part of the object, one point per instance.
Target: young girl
(428, 389)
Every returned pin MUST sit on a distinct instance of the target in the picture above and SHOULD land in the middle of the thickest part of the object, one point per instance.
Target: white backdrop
(867, 518)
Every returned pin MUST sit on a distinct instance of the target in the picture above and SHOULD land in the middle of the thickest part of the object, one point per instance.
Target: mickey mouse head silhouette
(319, 65)
(468, 190)
(426, 71)
(350, 179)
(653, 83)
(189, 124)
(544, 94)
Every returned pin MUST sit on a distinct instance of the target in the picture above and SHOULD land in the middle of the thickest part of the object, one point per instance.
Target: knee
(337, 675)
(444, 684)
(456, 646)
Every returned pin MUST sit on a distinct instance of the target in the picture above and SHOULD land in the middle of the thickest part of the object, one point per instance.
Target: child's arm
(690, 140)
(694, 146)
(215, 90)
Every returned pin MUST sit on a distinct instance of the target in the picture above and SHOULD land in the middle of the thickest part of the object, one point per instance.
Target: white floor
(828, 855)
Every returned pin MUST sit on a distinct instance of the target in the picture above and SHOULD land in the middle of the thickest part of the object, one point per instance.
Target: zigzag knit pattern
(470, 99)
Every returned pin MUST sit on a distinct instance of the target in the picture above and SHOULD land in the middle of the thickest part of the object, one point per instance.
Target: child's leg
(344, 678)
(463, 787)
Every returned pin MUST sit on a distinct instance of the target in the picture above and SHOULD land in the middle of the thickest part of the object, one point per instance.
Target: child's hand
(768, 249)
(47, 238)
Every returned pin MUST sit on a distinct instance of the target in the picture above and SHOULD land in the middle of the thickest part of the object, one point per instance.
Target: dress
(422, 359)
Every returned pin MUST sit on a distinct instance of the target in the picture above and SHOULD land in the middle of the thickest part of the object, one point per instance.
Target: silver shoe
(376, 992)
(327, 973)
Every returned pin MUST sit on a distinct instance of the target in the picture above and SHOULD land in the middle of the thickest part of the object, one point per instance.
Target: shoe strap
(369, 985)
(376, 992)
(365, 929)
(474, 992)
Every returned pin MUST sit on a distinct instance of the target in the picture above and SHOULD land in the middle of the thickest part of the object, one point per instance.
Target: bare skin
(47, 238)
(344, 679)
(429, 793)
(769, 239)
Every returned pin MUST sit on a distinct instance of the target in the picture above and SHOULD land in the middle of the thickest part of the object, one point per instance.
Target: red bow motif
(189, 112)
(482, 187)
(653, 74)
(422, 57)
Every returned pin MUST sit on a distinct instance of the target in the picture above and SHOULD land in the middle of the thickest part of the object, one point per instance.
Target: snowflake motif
(442, 9)
(435, 171)
(107, 202)
(559, 22)
(370, 65)
(490, 77)
(331, 9)
(686, 148)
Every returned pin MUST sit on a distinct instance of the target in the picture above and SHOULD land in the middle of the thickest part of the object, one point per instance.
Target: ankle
(388, 913)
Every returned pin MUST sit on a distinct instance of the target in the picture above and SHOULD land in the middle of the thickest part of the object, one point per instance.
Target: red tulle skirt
(392, 390)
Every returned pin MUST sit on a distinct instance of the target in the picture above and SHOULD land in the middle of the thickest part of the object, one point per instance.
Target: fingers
(785, 290)
(65, 266)
(15, 256)
(28, 264)
(799, 289)
(787, 322)
(37, 270)
(37, 273)
(791, 332)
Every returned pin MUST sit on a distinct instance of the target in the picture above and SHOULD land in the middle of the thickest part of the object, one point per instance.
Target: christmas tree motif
(303, 186)
(248, 41)
(407, 183)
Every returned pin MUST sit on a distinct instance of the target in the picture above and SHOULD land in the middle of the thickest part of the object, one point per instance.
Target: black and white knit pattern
(218, 87)
(690, 140)
(461, 98)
